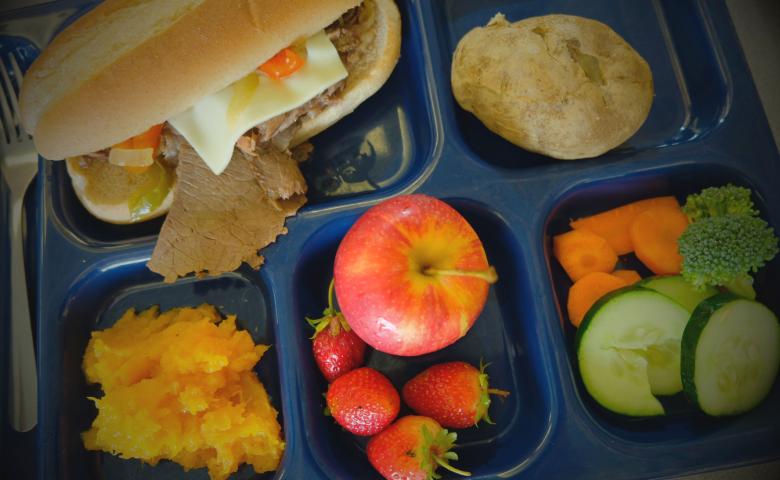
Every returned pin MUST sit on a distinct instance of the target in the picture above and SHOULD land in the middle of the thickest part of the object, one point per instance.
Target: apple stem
(496, 391)
(488, 275)
(445, 464)
(331, 289)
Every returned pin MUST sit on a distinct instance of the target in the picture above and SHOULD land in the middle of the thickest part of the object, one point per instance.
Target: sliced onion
(138, 157)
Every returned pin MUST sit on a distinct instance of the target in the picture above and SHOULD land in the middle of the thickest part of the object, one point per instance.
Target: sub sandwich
(202, 109)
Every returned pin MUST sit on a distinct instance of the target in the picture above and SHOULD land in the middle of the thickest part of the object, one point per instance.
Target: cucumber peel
(730, 354)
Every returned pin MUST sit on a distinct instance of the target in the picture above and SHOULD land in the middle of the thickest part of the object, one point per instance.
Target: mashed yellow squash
(180, 386)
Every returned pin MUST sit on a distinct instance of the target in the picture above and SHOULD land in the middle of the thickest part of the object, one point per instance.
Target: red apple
(411, 275)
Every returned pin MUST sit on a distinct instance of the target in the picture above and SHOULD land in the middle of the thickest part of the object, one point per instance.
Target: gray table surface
(758, 26)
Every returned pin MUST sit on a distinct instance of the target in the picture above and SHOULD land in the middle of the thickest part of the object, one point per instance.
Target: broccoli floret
(719, 201)
(723, 251)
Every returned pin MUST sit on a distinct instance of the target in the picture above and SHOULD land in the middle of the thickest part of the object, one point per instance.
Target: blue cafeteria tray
(706, 127)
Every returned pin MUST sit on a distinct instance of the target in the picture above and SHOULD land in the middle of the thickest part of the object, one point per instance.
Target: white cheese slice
(214, 124)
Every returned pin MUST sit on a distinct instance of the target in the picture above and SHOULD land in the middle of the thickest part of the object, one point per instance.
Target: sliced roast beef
(276, 172)
(217, 222)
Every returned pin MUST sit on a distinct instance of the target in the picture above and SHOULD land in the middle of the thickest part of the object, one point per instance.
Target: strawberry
(337, 349)
(363, 401)
(455, 394)
(412, 449)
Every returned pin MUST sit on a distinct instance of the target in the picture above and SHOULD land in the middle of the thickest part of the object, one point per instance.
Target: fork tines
(11, 74)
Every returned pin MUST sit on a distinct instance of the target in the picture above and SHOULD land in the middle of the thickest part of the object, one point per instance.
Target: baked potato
(560, 85)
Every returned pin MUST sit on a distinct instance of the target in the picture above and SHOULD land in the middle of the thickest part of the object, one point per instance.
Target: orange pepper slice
(283, 64)
(147, 139)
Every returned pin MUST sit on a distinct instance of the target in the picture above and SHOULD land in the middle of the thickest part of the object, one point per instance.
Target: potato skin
(560, 85)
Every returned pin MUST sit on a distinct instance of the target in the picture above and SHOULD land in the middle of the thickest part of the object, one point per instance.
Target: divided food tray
(706, 127)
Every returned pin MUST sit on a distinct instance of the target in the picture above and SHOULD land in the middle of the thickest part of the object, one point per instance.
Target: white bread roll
(129, 64)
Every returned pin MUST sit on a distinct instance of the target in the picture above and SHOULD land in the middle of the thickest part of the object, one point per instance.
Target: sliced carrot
(654, 234)
(581, 252)
(587, 290)
(630, 276)
(613, 224)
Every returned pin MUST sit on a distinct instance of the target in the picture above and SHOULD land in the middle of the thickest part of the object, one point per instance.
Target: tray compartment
(692, 93)
(386, 143)
(683, 422)
(96, 302)
(503, 335)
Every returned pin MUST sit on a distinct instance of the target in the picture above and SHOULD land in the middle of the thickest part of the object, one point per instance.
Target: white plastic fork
(18, 163)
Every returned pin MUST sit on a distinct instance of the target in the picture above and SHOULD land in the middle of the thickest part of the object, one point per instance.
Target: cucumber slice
(628, 348)
(676, 288)
(730, 354)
